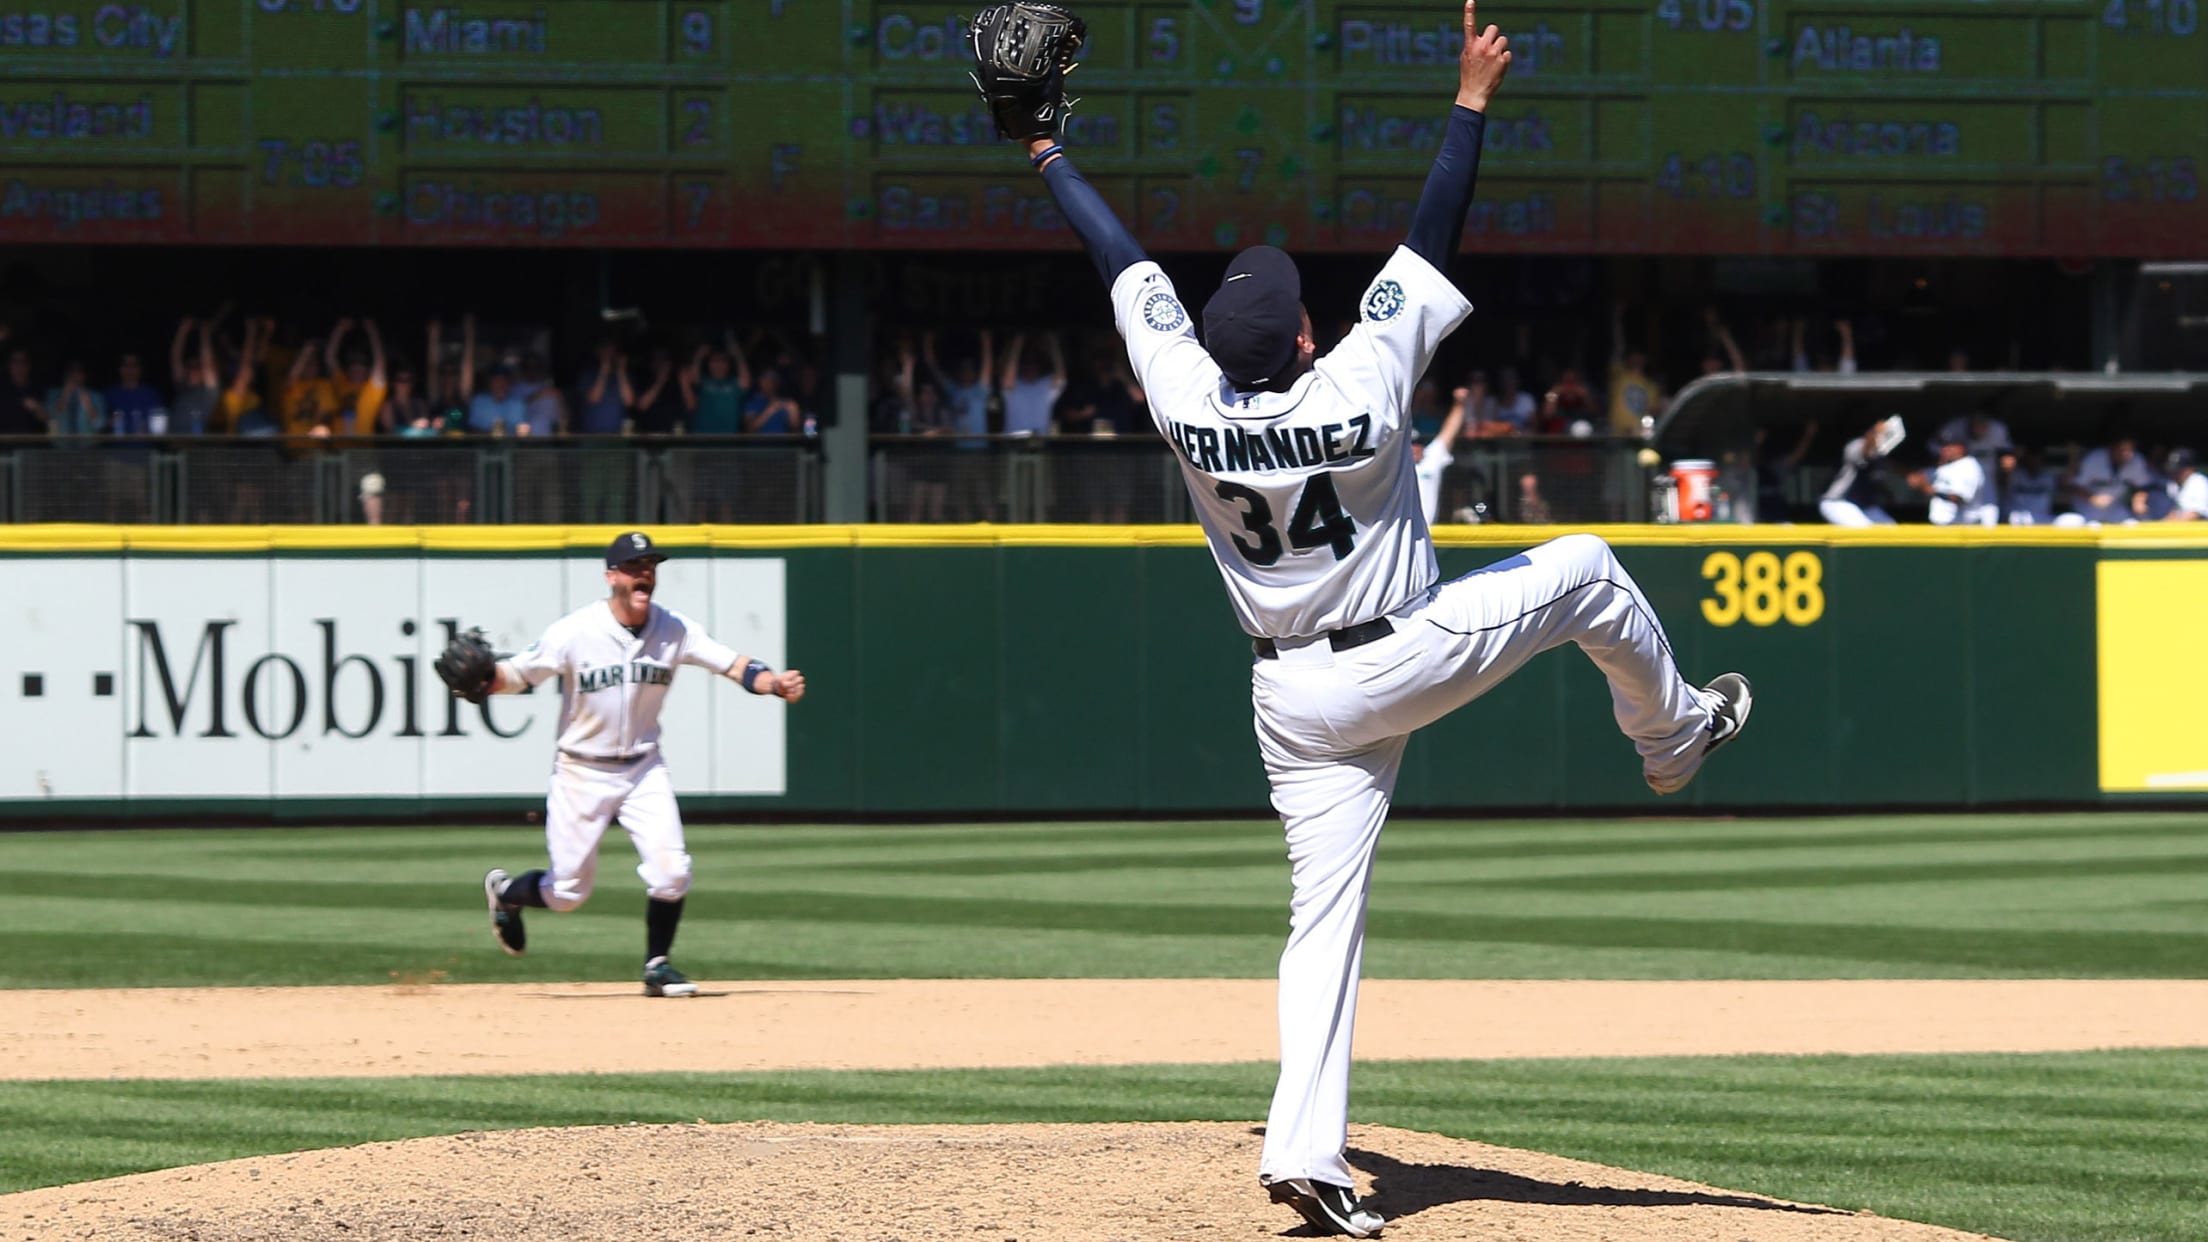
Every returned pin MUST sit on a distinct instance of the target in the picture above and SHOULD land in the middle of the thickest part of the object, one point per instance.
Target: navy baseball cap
(633, 546)
(2181, 458)
(1250, 325)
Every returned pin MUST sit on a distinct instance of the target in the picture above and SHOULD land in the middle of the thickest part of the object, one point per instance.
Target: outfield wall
(285, 671)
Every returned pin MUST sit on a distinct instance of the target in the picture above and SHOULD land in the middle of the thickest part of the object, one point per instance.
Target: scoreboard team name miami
(450, 31)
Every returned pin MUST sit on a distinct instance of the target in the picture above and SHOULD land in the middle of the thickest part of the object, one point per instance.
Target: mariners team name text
(1216, 450)
(638, 673)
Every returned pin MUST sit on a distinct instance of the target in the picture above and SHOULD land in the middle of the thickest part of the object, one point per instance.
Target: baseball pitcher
(616, 659)
(1301, 472)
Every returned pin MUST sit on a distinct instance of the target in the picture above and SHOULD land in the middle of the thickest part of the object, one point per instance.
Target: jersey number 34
(1318, 521)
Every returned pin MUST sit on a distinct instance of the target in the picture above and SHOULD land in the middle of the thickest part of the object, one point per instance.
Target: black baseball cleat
(662, 979)
(1735, 699)
(1332, 1210)
(506, 925)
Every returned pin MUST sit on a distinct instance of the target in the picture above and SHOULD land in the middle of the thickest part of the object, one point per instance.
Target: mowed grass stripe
(1006, 848)
(2088, 1147)
(2006, 951)
(1907, 896)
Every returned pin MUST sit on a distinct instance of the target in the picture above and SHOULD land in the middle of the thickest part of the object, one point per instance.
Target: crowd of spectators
(967, 390)
(252, 376)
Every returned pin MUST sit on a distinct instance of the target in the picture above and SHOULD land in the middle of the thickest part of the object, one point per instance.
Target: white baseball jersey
(1855, 459)
(1314, 513)
(615, 680)
(1307, 497)
(1964, 479)
(1432, 464)
(2191, 496)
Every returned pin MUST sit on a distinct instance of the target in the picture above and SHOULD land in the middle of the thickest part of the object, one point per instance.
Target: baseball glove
(1022, 54)
(1890, 434)
(469, 666)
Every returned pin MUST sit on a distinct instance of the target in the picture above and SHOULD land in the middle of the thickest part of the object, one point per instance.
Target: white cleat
(1728, 716)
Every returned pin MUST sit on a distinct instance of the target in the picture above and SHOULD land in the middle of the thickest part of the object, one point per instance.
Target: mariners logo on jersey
(1384, 302)
(1162, 311)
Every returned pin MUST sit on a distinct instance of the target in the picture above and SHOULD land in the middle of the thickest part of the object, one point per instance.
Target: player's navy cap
(1250, 325)
(2181, 458)
(633, 546)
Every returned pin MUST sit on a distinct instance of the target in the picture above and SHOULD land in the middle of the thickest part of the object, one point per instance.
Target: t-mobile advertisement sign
(298, 677)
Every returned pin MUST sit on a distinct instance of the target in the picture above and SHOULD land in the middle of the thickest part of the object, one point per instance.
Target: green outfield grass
(2072, 1148)
(1902, 896)
(2087, 1147)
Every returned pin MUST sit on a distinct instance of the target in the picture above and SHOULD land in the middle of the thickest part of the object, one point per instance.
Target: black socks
(525, 889)
(660, 920)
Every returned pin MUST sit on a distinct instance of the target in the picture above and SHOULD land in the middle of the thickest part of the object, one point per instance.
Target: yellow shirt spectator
(232, 410)
(366, 403)
(307, 403)
(1633, 397)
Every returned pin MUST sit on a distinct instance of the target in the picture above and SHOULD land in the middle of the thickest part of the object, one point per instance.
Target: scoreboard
(2070, 128)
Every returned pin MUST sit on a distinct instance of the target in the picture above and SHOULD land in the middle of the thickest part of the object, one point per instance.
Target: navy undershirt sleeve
(1110, 246)
(1437, 223)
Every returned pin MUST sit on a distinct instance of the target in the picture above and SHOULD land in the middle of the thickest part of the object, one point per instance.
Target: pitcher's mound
(909, 1183)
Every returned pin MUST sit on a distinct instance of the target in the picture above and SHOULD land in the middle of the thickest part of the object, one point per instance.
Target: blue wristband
(1037, 159)
(752, 670)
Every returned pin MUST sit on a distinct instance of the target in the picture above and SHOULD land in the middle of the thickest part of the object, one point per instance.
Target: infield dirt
(1019, 1183)
(1065, 1183)
(420, 1028)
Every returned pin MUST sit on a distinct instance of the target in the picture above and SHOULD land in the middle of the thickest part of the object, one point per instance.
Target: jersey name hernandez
(1308, 498)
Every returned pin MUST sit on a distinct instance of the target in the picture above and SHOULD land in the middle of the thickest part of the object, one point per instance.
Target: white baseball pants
(587, 795)
(1849, 513)
(1332, 726)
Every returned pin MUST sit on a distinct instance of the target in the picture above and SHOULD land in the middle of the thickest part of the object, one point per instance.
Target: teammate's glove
(1022, 54)
(469, 666)
(1891, 432)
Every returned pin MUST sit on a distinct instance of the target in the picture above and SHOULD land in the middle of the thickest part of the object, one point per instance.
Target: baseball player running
(1300, 470)
(615, 658)
(1432, 460)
